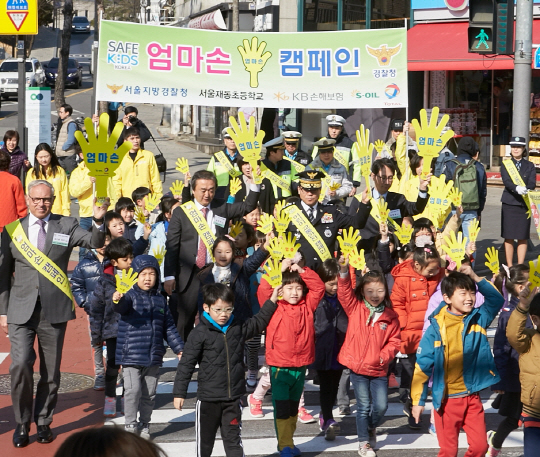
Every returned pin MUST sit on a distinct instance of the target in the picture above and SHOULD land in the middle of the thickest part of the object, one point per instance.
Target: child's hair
(419, 225)
(292, 277)
(516, 276)
(456, 280)
(139, 193)
(214, 292)
(375, 247)
(260, 237)
(250, 233)
(329, 270)
(405, 251)
(118, 249)
(415, 163)
(107, 442)
(226, 239)
(110, 216)
(368, 278)
(166, 205)
(124, 203)
(534, 309)
(292, 200)
(425, 255)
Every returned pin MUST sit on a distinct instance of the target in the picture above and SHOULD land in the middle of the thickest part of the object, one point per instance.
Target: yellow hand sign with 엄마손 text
(236, 229)
(492, 257)
(455, 247)
(254, 58)
(139, 216)
(404, 233)
(265, 224)
(247, 143)
(474, 229)
(439, 192)
(126, 280)
(380, 146)
(534, 273)
(151, 201)
(273, 272)
(357, 259)
(383, 211)
(455, 196)
(176, 188)
(348, 240)
(182, 165)
(235, 186)
(364, 150)
(282, 222)
(429, 137)
(290, 246)
(159, 253)
(275, 248)
(100, 156)
(334, 186)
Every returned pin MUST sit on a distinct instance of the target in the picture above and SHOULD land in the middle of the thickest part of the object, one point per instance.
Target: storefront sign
(209, 21)
(37, 118)
(351, 69)
(536, 61)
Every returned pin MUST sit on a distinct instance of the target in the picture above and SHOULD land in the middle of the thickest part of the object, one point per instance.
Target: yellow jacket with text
(81, 188)
(141, 172)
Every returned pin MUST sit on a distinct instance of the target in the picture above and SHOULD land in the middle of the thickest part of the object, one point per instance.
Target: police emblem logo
(327, 233)
(312, 174)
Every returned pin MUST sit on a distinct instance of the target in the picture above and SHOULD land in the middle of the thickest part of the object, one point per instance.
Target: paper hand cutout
(275, 248)
(348, 240)
(139, 216)
(235, 186)
(182, 165)
(126, 281)
(273, 272)
(236, 229)
(265, 224)
(159, 254)
(357, 259)
(290, 246)
(177, 187)
(151, 201)
(248, 144)
(455, 247)
(492, 257)
(404, 233)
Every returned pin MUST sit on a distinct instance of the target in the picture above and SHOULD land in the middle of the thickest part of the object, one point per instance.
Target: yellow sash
(297, 166)
(226, 163)
(517, 180)
(38, 260)
(275, 179)
(326, 183)
(308, 231)
(341, 157)
(200, 224)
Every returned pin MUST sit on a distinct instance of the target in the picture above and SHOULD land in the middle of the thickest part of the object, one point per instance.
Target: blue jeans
(531, 441)
(371, 402)
(85, 223)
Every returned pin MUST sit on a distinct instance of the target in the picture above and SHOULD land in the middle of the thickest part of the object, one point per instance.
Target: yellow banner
(200, 224)
(308, 232)
(275, 179)
(226, 163)
(517, 180)
(534, 199)
(38, 260)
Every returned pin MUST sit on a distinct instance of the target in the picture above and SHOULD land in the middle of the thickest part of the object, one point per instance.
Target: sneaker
(99, 382)
(304, 416)
(252, 379)
(255, 407)
(392, 381)
(286, 452)
(407, 408)
(372, 432)
(321, 422)
(131, 428)
(365, 450)
(296, 452)
(413, 425)
(144, 430)
(344, 410)
(332, 430)
(432, 430)
(109, 410)
(492, 451)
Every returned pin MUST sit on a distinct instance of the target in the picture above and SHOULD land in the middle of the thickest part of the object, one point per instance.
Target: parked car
(80, 24)
(9, 76)
(74, 72)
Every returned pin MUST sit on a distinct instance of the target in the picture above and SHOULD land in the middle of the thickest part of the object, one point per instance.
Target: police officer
(223, 165)
(326, 219)
(292, 148)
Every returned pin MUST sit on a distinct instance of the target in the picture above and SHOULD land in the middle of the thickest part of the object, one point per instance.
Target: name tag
(220, 221)
(395, 214)
(60, 239)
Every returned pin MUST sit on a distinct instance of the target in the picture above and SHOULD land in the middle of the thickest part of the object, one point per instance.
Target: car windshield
(80, 19)
(54, 63)
(13, 66)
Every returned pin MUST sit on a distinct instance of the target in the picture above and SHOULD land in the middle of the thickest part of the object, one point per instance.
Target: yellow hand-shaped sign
(275, 248)
(534, 273)
(364, 150)
(474, 229)
(159, 253)
(282, 222)
(357, 259)
(404, 233)
(248, 144)
(235, 186)
(492, 257)
(335, 186)
(177, 187)
(439, 194)
(265, 224)
(126, 281)
(383, 211)
(182, 165)
(139, 216)
(273, 272)
(256, 173)
(455, 196)
(429, 138)
(236, 229)
(254, 59)
(100, 155)
(290, 246)
(151, 201)
(455, 247)
(380, 146)
(349, 240)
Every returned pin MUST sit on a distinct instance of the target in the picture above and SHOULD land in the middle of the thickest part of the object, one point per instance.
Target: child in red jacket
(290, 346)
(371, 343)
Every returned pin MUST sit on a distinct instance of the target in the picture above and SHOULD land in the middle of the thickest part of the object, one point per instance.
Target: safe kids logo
(383, 53)
(123, 55)
(392, 91)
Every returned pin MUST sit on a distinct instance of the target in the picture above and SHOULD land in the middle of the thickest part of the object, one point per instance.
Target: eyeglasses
(46, 201)
(385, 178)
(222, 311)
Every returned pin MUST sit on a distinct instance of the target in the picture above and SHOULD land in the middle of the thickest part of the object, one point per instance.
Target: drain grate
(69, 382)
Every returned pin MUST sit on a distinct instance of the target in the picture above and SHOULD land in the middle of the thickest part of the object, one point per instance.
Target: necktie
(518, 165)
(42, 234)
(201, 251)
(311, 214)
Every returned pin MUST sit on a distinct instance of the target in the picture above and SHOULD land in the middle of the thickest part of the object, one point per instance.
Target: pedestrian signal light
(481, 40)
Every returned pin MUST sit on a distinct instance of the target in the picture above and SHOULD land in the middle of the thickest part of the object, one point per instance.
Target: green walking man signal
(483, 37)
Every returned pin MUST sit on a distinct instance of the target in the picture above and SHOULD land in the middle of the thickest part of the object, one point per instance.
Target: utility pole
(21, 95)
(522, 68)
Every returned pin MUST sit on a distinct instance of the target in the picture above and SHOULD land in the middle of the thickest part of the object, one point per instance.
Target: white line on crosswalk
(3, 356)
(166, 387)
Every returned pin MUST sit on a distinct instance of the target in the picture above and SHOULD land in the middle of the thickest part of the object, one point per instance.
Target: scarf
(222, 275)
(372, 310)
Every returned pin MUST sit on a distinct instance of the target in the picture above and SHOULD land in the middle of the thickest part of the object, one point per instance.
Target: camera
(133, 120)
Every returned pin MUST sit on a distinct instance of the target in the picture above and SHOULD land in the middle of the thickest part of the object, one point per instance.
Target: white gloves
(521, 190)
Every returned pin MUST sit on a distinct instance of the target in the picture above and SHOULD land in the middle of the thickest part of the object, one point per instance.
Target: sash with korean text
(226, 163)
(517, 180)
(200, 224)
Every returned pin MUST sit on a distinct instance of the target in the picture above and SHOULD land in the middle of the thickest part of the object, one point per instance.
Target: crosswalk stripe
(3, 356)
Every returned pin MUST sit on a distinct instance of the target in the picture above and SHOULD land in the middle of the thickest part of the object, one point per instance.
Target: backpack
(440, 164)
(79, 123)
(465, 181)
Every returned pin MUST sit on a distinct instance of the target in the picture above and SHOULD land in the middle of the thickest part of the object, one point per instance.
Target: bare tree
(60, 86)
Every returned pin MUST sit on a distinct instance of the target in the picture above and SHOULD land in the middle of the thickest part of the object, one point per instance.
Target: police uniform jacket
(527, 173)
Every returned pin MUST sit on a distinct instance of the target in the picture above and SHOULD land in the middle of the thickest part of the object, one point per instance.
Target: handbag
(161, 161)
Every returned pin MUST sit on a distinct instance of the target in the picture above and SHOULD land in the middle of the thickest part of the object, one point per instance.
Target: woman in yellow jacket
(46, 167)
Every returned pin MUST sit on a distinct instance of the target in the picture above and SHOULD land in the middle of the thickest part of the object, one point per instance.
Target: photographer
(130, 119)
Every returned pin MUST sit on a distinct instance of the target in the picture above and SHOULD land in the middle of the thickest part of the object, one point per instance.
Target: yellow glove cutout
(100, 155)
(275, 248)
(159, 254)
(126, 281)
(282, 222)
(290, 246)
(273, 272)
(182, 165)
(383, 211)
(335, 186)
(474, 229)
(139, 216)
(380, 146)
(438, 195)
(254, 59)
(364, 150)
(404, 233)
(534, 273)
(236, 229)
(151, 201)
(248, 145)
(349, 240)
(256, 173)
(429, 138)
(357, 259)
(265, 224)
(177, 187)
(492, 257)
(455, 247)
(455, 196)
(235, 186)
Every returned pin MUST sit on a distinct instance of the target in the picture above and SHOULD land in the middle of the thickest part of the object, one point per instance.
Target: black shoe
(344, 410)
(44, 434)
(413, 425)
(20, 437)
(407, 408)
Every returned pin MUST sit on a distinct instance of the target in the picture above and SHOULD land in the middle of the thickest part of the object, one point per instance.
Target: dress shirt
(307, 208)
(33, 228)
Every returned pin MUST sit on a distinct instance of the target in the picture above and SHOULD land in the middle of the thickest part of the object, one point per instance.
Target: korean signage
(38, 118)
(18, 17)
(352, 69)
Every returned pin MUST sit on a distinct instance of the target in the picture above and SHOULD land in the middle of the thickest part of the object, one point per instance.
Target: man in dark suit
(382, 173)
(36, 306)
(186, 253)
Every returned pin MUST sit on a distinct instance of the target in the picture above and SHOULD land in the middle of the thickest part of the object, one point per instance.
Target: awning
(443, 46)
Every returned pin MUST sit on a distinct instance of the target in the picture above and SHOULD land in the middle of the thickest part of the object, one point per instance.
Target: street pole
(21, 94)
(522, 68)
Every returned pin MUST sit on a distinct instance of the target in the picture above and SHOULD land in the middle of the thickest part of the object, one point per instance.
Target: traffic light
(481, 21)
(504, 26)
